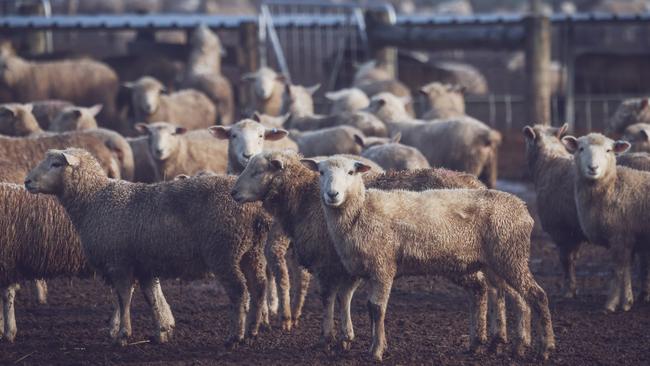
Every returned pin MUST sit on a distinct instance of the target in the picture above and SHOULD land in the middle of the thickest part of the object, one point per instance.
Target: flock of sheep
(199, 194)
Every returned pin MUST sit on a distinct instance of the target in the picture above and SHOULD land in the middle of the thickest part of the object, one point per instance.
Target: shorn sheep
(76, 118)
(290, 192)
(188, 108)
(268, 90)
(612, 205)
(184, 228)
(82, 82)
(629, 112)
(179, 151)
(461, 234)
(43, 244)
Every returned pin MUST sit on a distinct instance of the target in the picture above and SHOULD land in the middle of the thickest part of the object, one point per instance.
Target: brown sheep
(328, 141)
(611, 202)
(145, 169)
(76, 118)
(364, 121)
(17, 120)
(267, 89)
(372, 79)
(443, 100)
(391, 155)
(347, 100)
(462, 234)
(185, 228)
(81, 82)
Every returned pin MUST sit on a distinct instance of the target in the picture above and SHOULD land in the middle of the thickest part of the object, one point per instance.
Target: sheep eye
(609, 150)
(234, 135)
(350, 172)
(321, 172)
(581, 149)
(261, 136)
(56, 165)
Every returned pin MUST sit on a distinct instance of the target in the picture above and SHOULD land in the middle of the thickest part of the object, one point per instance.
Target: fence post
(538, 59)
(247, 61)
(385, 56)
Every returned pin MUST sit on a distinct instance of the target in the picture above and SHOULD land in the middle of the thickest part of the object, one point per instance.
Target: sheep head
(48, 176)
(595, 155)
(164, 138)
(340, 179)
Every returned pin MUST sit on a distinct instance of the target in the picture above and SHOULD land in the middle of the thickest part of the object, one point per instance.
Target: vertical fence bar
(538, 59)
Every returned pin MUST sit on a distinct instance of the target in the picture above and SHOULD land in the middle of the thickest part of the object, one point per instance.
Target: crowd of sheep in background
(366, 193)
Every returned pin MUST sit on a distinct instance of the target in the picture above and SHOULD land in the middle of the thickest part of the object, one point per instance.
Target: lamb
(612, 203)
(145, 167)
(18, 120)
(328, 141)
(82, 82)
(391, 155)
(298, 100)
(267, 89)
(179, 151)
(639, 135)
(347, 100)
(444, 100)
(629, 112)
(76, 118)
(188, 108)
(364, 121)
(185, 228)
(204, 73)
(46, 110)
(460, 143)
(462, 234)
(289, 191)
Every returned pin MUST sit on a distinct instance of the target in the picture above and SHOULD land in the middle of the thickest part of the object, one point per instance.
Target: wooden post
(35, 41)
(570, 62)
(247, 61)
(538, 59)
(385, 56)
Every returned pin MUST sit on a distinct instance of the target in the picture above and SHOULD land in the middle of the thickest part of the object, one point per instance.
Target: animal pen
(315, 42)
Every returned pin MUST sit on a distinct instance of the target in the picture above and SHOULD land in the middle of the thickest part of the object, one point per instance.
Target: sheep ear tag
(71, 159)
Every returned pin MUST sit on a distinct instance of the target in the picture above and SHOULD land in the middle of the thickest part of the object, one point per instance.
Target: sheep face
(76, 118)
(595, 154)
(545, 137)
(145, 95)
(246, 138)
(340, 178)
(264, 81)
(164, 138)
(48, 176)
(639, 135)
(12, 119)
(255, 181)
(386, 105)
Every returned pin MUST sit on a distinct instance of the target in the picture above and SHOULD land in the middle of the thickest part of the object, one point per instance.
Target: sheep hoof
(265, 327)
(627, 306)
(286, 324)
(496, 345)
(519, 351)
(10, 337)
(346, 345)
(233, 343)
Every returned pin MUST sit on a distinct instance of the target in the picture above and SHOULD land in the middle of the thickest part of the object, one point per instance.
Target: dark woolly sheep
(46, 111)
(183, 228)
(629, 112)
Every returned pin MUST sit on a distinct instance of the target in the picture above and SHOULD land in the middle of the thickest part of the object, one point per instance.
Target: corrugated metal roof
(516, 18)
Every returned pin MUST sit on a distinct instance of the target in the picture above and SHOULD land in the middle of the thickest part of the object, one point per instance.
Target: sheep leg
(2, 319)
(621, 255)
(124, 289)
(522, 314)
(377, 303)
(41, 291)
(345, 293)
(645, 276)
(234, 282)
(276, 250)
(8, 312)
(497, 317)
(272, 293)
(301, 286)
(489, 172)
(167, 318)
(328, 292)
(254, 267)
(568, 254)
(477, 286)
(627, 294)
(152, 295)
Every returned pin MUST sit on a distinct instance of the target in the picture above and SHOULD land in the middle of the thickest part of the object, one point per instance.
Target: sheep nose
(159, 152)
(332, 194)
(27, 182)
(593, 167)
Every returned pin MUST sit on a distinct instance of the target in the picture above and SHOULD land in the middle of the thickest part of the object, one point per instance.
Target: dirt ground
(427, 324)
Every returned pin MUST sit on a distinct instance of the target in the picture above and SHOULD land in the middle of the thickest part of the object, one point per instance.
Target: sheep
(247, 138)
(372, 79)
(392, 155)
(82, 82)
(298, 100)
(270, 121)
(635, 160)
(639, 135)
(188, 108)
(204, 73)
(18, 120)
(328, 141)
(267, 90)
(76, 118)
(461, 143)
(463, 234)
(145, 168)
(629, 112)
(185, 228)
(347, 100)
(444, 100)
(179, 151)
(46, 110)
(289, 191)
(364, 121)
(611, 203)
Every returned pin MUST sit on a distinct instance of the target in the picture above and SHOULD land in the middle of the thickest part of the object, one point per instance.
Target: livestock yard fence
(596, 60)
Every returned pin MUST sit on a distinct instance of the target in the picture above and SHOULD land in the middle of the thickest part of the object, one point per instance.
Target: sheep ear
(94, 110)
(164, 90)
(29, 107)
(529, 133)
(621, 146)
(423, 91)
(70, 159)
(180, 130)
(644, 103)
(256, 117)
(286, 118)
(76, 113)
(310, 164)
(381, 102)
(142, 128)
(570, 143)
(275, 134)
(359, 140)
(128, 85)
(645, 134)
(312, 89)
(6, 111)
(277, 164)
(361, 167)
(562, 130)
(220, 132)
(397, 138)
(333, 95)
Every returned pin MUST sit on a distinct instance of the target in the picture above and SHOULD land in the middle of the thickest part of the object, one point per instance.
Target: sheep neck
(346, 217)
(543, 158)
(80, 190)
(177, 158)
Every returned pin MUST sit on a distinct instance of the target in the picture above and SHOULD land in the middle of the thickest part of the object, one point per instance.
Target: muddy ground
(427, 323)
